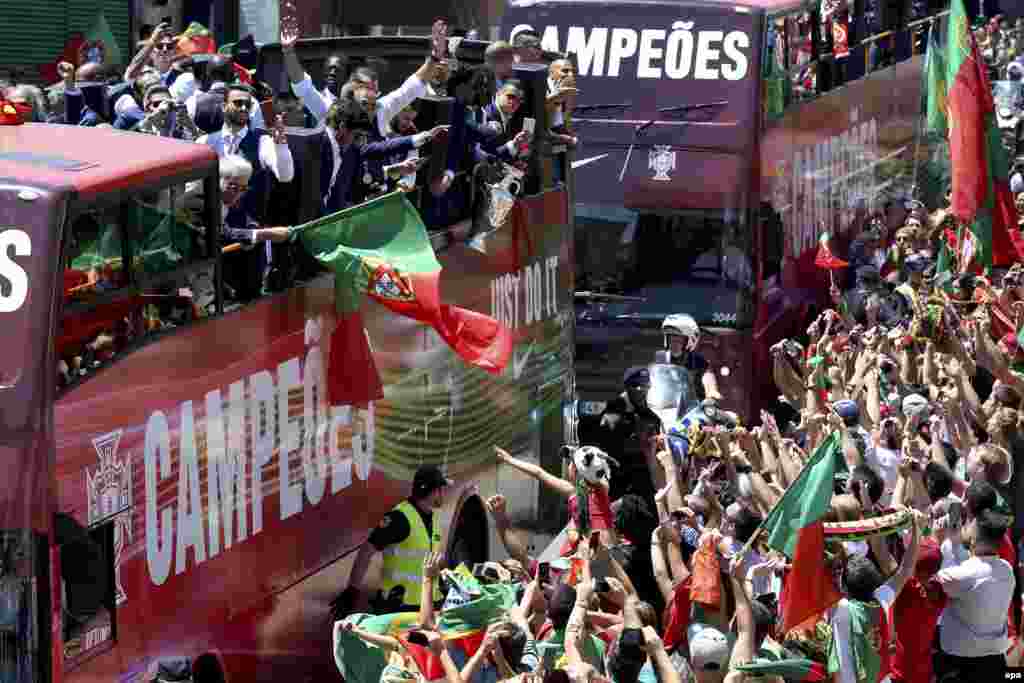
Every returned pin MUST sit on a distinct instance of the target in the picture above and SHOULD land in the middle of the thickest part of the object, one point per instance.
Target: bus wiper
(690, 107)
(637, 132)
(598, 107)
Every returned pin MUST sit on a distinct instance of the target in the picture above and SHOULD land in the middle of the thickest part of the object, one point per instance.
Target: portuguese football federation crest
(109, 493)
(386, 282)
(662, 160)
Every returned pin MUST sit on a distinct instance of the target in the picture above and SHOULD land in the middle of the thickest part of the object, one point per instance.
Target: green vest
(403, 562)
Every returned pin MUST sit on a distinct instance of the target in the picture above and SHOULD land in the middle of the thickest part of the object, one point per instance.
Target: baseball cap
(637, 376)
(173, 670)
(915, 404)
(429, 478)
(848, 410)
(917, 263)
(709, 648)
(526, 39)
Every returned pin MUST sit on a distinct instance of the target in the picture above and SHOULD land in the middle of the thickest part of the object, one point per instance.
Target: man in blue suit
(346, 146)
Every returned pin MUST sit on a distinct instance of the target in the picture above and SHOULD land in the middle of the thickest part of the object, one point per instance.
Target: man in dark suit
(502, 115)
(346, 146)
(244, 269)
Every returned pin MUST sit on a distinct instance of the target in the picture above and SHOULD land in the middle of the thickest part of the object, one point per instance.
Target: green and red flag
(980, 167)
(796, 528)
(462, 626)
(380, 249)
(935, 86)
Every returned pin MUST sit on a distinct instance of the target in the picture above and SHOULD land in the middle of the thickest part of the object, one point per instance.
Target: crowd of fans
(665, 574)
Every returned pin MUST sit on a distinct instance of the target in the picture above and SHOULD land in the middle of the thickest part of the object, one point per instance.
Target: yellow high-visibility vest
(403, 562)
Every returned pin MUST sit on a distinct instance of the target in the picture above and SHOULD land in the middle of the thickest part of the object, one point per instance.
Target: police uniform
(619, 422)
(404, 537)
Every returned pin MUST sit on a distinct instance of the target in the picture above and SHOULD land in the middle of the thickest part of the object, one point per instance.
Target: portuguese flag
(935, 86)
(796, 528)
(980, 168)
(380, 249)
(463, 626)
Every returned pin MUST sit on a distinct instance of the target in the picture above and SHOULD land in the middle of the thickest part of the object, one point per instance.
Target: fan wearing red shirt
(915, 614)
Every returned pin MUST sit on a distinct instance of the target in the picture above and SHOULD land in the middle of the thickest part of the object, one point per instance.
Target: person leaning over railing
(346, 147)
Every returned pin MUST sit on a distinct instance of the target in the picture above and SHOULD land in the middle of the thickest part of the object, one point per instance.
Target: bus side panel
(826, 164)
(143, 427)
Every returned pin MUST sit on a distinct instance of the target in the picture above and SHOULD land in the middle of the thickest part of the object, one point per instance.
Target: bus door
(30, 223)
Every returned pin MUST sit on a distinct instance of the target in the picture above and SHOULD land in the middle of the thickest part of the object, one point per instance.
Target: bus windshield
(695, 262)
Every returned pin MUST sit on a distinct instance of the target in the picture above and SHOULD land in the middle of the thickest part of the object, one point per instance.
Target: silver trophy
(503, 195)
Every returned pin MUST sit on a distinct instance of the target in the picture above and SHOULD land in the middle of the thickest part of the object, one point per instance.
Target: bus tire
(470, 540)
(207, 669)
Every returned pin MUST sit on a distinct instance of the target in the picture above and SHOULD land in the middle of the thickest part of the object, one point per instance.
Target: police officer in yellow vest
(403, 538)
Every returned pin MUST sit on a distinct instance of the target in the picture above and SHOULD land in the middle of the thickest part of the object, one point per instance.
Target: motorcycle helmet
(681, 325)
(1014, 71)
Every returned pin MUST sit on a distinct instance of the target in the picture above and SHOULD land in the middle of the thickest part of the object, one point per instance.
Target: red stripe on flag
(809, 587)
(352, 377)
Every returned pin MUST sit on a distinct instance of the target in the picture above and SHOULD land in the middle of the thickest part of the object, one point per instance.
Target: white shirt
(126, 104)
(277, 158)
(388, 106)
(886, 463)
(557, 118)
(885, 596)
(183, 87)
(974, 620)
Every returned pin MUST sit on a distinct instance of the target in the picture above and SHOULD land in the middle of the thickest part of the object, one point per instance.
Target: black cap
(637, 376)
(428, 479)
(173, 670)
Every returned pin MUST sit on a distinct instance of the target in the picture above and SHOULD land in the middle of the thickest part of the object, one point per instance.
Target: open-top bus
(176, 483)
(719, 140)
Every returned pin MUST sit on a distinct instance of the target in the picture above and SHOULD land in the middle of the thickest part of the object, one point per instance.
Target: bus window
(695, 262)
(87, 579)
(803, 70)
(169, 250)
(777, 90)
(95, 255)
(166, 233)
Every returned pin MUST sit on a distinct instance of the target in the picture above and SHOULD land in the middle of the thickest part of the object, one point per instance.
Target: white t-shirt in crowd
(886, 463)
(885, 596)
(974, 621)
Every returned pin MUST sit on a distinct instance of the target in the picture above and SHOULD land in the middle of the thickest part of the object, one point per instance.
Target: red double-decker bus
(719, 141)
(176, 483)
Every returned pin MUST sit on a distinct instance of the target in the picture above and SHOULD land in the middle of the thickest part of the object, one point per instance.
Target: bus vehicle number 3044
(723, 318)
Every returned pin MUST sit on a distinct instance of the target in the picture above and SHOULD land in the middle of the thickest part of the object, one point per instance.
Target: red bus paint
(676, 175)
(144, 452)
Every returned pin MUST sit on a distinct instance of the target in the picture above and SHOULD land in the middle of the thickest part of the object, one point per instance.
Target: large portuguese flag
(380, 249)
(796, 528)
(980, 168)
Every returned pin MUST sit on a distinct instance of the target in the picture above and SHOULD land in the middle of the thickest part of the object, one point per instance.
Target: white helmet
(682, 325)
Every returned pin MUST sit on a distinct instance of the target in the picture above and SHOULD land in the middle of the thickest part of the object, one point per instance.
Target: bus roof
(86, 162)
(770, 6)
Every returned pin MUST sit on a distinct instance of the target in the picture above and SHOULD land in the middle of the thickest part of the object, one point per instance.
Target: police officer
(618, 434)
(681, 338)
(404, 537)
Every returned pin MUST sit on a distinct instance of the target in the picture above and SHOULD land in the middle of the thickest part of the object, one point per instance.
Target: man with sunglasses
(160, 51)
(268, 152)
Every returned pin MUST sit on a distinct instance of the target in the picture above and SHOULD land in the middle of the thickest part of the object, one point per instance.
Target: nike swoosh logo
(519, 363)
(584, 162)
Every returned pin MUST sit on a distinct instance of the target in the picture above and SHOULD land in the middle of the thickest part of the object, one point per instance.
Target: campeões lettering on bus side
(677, 52)
(235, 497)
